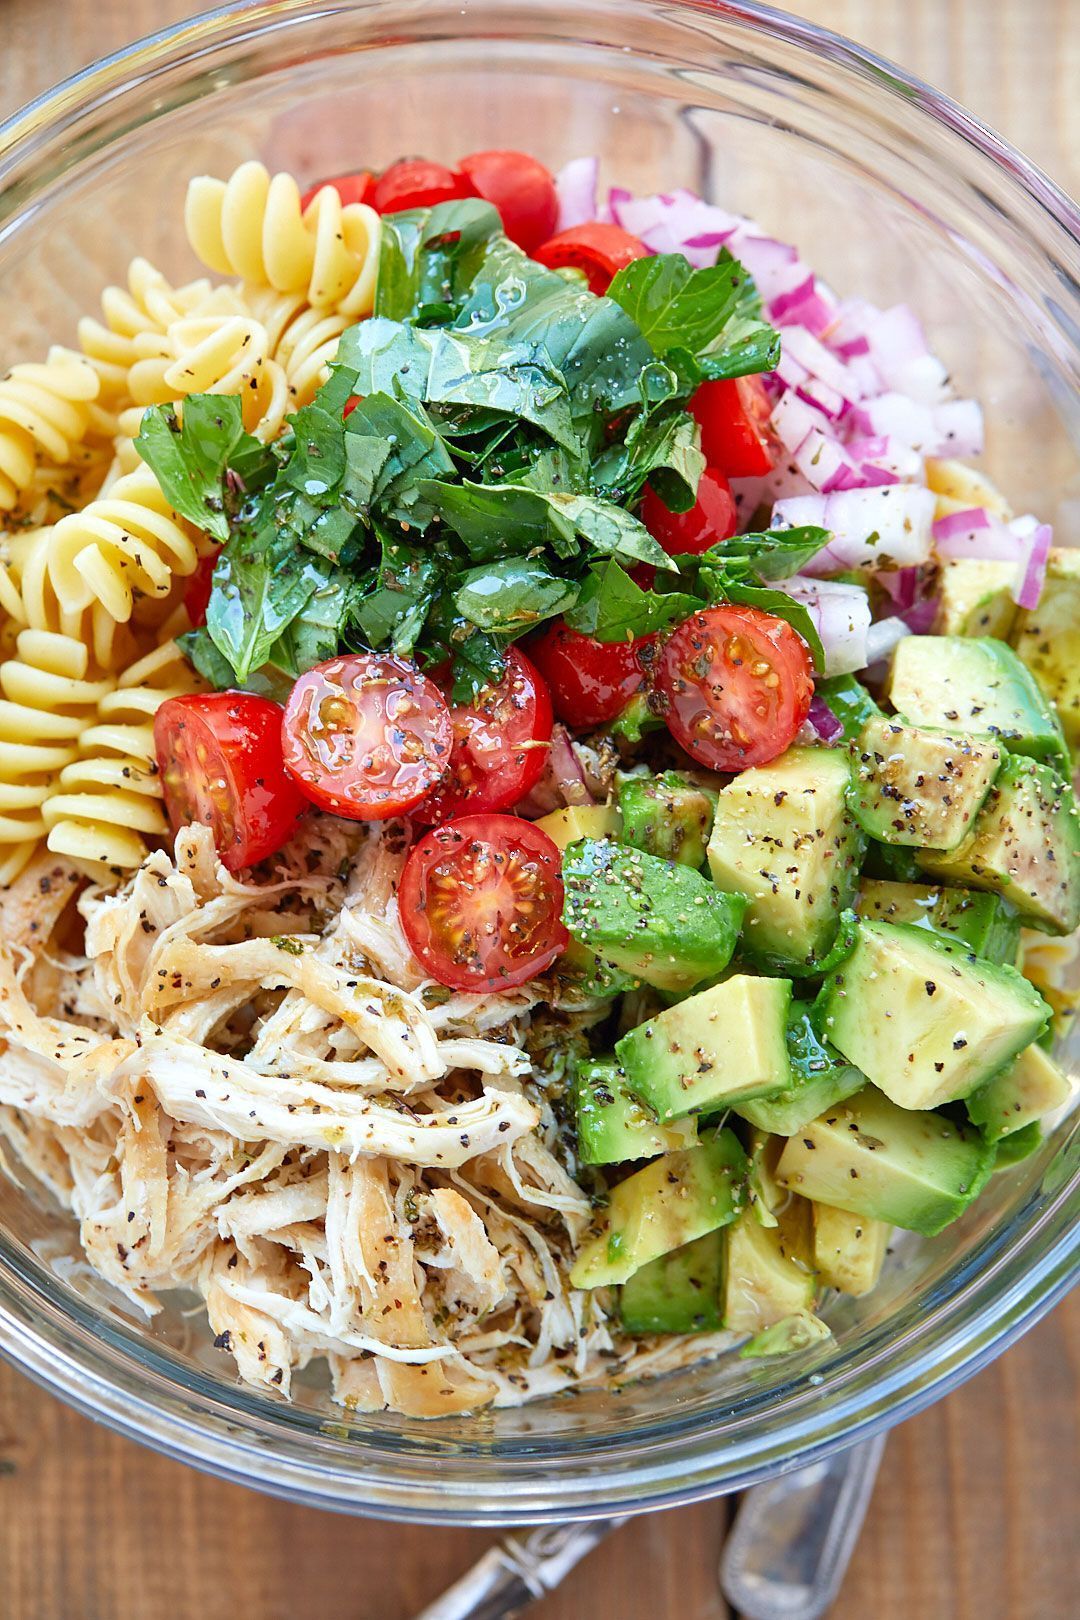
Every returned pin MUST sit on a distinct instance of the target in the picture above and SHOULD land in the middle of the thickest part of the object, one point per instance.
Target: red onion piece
(841, 616)
(822, 721)
(576, 190)
(569, 778)
(882, 637)
(1033, 576)
(965, 522)
(868, 526)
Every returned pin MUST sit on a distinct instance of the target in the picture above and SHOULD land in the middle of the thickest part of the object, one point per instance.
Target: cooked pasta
(28, 596)
(147, 306)
(46, 410)
(227, 353)
(302, 340)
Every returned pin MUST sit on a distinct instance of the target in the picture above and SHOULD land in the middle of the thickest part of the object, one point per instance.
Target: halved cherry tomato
(480, 902)
(351, 188)
(366, 735)
(197, 591)
(350, 405)
(219, 757)
(735, 685)
(734, 417)
(591, 681)
(415, 183)
(520, 188)
(712, 517)
(500, 746)
(598, 249)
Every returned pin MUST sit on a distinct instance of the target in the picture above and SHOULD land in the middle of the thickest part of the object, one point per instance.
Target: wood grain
(974, 1516)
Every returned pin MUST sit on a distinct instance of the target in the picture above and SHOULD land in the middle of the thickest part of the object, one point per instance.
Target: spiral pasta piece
(108, 800)
(27, 594)
(217, 354)
(302, 340)
(254, 226)
(46, 411)
(146, 307)
(50, 695)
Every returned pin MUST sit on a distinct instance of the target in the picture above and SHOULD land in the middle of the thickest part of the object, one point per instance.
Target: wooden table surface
(974, 1517)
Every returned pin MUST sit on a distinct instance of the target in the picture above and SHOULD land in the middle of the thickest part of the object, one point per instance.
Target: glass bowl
(893, 192)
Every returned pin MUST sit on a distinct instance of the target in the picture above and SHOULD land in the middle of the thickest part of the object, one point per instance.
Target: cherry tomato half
(735, 684)
(366, 735)
(480, 902)
(712, 517)
(351, 188)
(219, 757)
(415, 183)
(500, 746)
(734, 417)
(598, 249)
(591, 681)
(520, 188)
(198, 589)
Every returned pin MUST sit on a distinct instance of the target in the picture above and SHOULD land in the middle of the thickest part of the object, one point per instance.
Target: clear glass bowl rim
(1012, 1279)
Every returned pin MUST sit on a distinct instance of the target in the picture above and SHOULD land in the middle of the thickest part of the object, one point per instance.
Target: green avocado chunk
(911, 1169)
(1029, 1088)
(984, 921)
(784, 837)
(672, 1201)
(667, 815)
(923, 1017)
(975, 597)
(712, 1050)
(613, 1125)
(977, 684)
(917, 786)
(679, 1293)
(1019, 1146)
(1047, 638)
(657, 920)
(768, 1270)
(1025, 845)
(849, 1250)
(819, 1078)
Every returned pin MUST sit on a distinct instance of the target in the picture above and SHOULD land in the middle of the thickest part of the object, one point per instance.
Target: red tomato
(480, 902)
(219, 757)
(500, 746)
(591, 681)
(415, 183)
(351, 188)
(520, 188)
(197, 591)
(711, 519)
(350, 405)
(734, 419)
(735, 684)
(366, 735)
(596, 248)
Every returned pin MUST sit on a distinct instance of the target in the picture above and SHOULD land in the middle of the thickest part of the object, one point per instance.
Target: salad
(536, 816)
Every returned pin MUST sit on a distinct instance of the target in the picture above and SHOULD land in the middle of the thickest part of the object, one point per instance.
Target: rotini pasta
(47, 409)
(216, 354)
(254, 227)
(147, 306)
(28, 596)
(302, 340)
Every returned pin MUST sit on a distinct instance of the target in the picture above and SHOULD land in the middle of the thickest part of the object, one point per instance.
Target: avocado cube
(1030, 1087)
(657, 920)
(1025, 845)
(667, 815)
(613, 1125)
(670, 1202)
(1019, 1146)
(712, 1050)
(679, 1293)
(923, 1017)
(849, 701)
(577, 821)
(768, 1270)
(960, 487)
(984, 921)
(784, 837)
(909, 1169)
(766, 1193)
(976, 598)
(913, 785)
(849, 1250)
(1047, 638)
(978, 685)
(819, 1078)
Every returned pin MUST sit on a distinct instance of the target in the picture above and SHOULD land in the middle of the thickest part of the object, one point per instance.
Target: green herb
(287, 943)
(190, 459)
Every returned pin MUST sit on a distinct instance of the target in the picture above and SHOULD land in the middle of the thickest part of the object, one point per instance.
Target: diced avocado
(613, 1125)
(711, 1050)
(636, 720)
(784, 1338)
(1019, 1146)
(577, 821)
(1025, 845)
(581, 972)
(960, 487)
(914, 785)
(849, 1250)
(819, 1078)
(915, 1170)
(670, 1202)
(766, 1193)
(655, 919)
(849, 701)
(679, 1293)
(978, 685)
(975, 598)
(984, 921)
(667, 815)
(1047, 638)
(923, 1017)
(768, 1270)
(784, 837)
(1030, 1087)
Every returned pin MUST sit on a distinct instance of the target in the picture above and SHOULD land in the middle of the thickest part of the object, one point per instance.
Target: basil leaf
(410, 450)
(512, 594)
(478, 663)
(662, 448)
(429, 257)
(496, 519)
(770, 554)
(210, 663)
(260, 585)
(394, 613)
(613, 607)
(316, 633)
(317, 461)
(189, 459)
(708, 320)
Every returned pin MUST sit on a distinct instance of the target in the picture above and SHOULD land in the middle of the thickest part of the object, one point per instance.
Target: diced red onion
(576, 190)
(841, 615)
(1032, 578)
(675, 222)
(882, 637)
(900, 584)
(822, 722)
(959, 426)
(965, 522)
(566, 769)
(868, 526)
(989, 541)
(804, 347)
(921, 616)
(775, 266)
